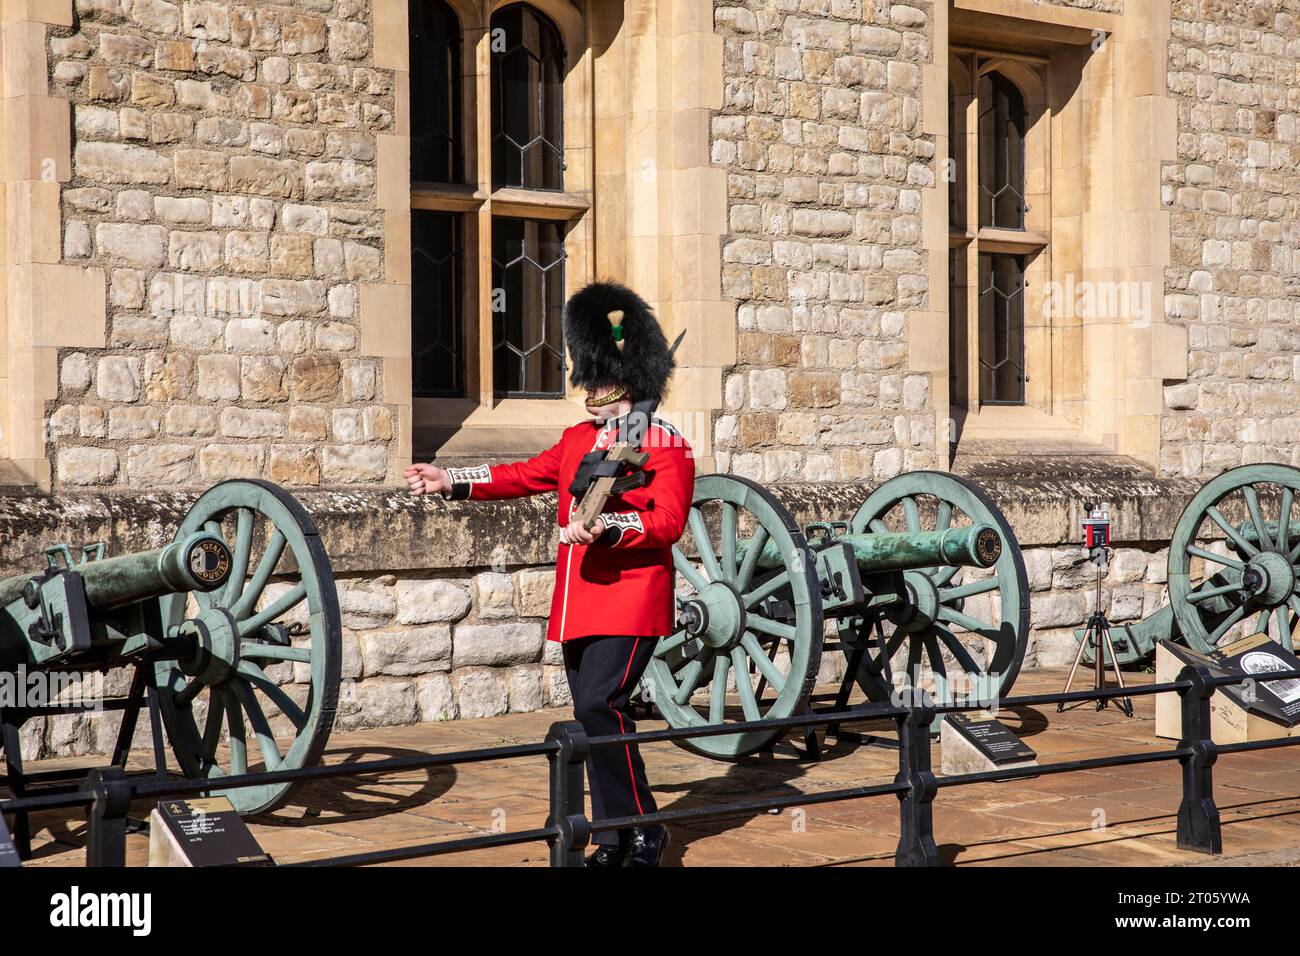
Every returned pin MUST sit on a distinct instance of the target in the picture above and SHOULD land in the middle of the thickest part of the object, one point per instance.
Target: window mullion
(974, 106)
(482, 259)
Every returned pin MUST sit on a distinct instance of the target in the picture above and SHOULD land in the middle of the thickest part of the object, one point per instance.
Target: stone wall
(820, 136)
(444, 605)
(224, 179)
(1234, 279)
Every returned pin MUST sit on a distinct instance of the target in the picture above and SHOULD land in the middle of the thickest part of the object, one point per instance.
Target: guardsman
(614, 577)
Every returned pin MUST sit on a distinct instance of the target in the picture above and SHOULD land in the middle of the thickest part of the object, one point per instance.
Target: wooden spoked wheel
(743, 628)
(266, 669)
(1247, 580)
(970, 626)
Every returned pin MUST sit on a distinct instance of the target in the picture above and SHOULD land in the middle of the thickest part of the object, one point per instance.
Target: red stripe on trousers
(631, 775)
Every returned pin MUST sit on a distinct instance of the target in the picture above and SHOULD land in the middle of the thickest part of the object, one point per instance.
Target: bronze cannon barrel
(1248, 531)
(976, 546)
(201, 562)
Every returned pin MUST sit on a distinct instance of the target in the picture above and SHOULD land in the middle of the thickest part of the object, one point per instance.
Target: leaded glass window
(527, 115)
(1002, 153)
(437, 328)
(487, 196)
(436, 153)
(527, 308)
(998, 244)
(1002, 329)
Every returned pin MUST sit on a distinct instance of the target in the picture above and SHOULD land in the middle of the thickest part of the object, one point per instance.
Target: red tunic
(623, 586)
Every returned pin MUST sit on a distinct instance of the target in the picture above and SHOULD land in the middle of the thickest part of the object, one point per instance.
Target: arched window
(527, 106)
(437, 154)
(527, 254)
(437, 244)
(489, 213)
(1002, 206)
(1002, 153)
(993, 245)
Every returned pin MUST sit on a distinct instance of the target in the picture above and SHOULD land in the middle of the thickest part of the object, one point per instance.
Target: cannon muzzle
(974, 546)
(201, 562)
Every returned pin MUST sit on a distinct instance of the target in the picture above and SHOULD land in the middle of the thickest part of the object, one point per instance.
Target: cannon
(233, 633)
(1232, 567)
(927, 567)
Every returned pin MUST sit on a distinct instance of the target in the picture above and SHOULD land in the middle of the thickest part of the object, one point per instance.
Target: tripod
(1098, 632)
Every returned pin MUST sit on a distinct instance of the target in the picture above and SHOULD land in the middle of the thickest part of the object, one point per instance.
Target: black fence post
(106, 836)
(915, 808)
(1198, 817)
(568, 805)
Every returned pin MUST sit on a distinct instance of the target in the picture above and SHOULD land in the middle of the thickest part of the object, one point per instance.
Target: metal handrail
(107, 793)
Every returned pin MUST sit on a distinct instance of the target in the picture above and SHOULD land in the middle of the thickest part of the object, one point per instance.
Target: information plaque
(992, 738)
(1277, 700)
(210, 832)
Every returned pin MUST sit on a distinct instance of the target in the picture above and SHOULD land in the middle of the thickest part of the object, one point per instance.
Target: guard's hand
(575, 533)
(427, 479)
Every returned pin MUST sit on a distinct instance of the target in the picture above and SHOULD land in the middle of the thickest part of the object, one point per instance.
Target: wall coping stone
(390, 531)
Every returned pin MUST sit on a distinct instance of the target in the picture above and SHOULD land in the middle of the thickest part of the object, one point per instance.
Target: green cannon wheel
(759, 630)
(964, 621)
(1253, 584)
(268, 653)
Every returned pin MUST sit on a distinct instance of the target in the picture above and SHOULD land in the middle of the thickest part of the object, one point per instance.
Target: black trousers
(603, 672)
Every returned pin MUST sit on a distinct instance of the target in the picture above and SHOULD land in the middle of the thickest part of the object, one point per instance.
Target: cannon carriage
(232, 633)
(233, 630)
(1233, 567)
(927, 573)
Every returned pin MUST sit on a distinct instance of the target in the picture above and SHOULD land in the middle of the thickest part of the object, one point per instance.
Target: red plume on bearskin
(642, 363)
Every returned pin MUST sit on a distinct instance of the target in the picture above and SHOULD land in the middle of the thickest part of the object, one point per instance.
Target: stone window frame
(968, 240)
(1113, 124)
(477, 203)
(648, 86)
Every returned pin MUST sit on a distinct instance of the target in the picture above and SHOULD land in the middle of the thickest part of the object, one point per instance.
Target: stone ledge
(389, 531)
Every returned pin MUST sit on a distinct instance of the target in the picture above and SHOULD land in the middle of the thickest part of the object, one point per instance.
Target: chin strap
(620, 467)
(615, 394)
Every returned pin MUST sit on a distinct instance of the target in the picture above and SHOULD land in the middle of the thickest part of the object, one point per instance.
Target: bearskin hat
(614, 338)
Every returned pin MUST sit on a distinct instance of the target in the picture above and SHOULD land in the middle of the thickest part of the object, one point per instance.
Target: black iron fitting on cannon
(62, 620)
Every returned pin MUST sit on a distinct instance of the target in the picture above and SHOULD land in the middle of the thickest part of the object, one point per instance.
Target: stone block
(480, 692)
(426, 602)
(496, 645)
(414, 651)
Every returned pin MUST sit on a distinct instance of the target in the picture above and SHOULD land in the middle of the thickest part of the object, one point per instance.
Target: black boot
(609, 854)
(646, 848)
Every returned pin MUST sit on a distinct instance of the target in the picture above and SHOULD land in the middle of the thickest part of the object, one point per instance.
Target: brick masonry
(224, 180)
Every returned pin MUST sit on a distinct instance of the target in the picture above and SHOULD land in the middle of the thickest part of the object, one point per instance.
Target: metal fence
(107, 794)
